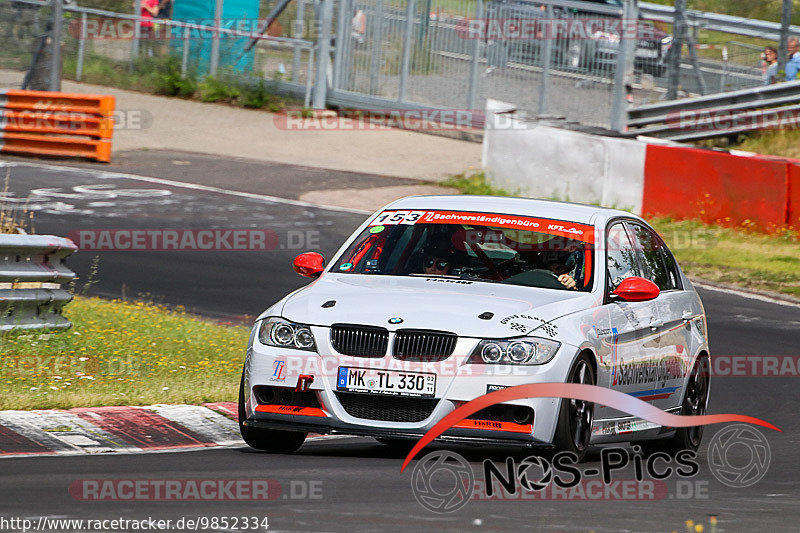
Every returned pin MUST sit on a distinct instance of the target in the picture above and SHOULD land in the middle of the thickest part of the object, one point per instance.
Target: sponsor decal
(518, 324)
(291, 410)
(650, 371)
(580, 232)
(278, 370)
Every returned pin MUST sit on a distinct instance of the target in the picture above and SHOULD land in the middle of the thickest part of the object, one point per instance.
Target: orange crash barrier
(56, 124)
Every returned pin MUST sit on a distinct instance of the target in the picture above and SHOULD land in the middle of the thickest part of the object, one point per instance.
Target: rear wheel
(270, 440)
(574, 427)
(694, 404)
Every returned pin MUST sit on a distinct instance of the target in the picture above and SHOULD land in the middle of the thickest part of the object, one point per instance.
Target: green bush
(214, 89)
(256, 96)
(168, 80)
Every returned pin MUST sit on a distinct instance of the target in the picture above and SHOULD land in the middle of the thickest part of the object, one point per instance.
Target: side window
(654, 258)
(621, 262)
(672, 268)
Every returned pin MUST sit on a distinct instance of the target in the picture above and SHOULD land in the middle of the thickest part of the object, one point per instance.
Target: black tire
(694, 404)
(268, 440)
(574, 426)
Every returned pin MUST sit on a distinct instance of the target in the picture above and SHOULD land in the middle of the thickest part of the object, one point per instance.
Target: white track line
(102, 174)
(745, 294)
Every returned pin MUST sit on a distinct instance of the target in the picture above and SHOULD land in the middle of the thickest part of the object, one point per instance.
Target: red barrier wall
(716, 187)
(793, 218)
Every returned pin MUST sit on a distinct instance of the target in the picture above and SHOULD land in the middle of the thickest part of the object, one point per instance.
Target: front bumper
(457, 383)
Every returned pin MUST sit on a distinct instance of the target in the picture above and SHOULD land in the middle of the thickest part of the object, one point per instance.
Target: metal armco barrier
(56, 124)
(717, 22)
(721, 114)
(32, 271)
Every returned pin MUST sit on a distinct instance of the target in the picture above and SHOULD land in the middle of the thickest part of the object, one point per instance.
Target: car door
(629, 337)
(676, 310)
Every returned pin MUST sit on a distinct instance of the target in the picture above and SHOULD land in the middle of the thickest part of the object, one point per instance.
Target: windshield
(488, 247)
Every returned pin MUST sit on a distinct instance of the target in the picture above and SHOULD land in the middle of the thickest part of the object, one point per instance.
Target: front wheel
(575, 418)
(694, 404)
(269, 440)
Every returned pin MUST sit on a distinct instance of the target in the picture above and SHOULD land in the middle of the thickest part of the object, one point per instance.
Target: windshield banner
(572, 230)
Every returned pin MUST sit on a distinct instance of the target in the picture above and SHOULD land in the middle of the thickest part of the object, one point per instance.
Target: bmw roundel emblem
(395, 320)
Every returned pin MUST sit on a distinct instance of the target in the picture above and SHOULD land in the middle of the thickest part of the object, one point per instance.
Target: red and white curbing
(101, 430)
(114, 430)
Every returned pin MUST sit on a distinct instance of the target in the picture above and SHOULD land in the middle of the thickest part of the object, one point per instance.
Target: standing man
(793, 64)
(150, 10)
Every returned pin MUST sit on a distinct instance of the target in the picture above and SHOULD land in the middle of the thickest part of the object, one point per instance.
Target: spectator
(793, 64)
(150, 10)
(770, 65)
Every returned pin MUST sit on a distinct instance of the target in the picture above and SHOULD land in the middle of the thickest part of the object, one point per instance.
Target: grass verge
(121, 353)
(740, 257)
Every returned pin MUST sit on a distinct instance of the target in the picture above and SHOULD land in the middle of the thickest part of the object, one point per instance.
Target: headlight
(522, 351)
(284, 334)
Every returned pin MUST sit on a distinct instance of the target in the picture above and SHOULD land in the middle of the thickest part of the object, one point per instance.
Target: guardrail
(56, 124)
(718, 22)
(32, 271)
(720, 114)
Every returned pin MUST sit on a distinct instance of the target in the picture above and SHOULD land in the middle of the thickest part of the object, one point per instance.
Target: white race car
(435, 301)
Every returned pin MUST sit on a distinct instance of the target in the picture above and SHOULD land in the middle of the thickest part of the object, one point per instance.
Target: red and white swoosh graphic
(574, 391)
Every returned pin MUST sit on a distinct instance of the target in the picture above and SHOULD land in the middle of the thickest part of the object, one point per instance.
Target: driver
(556, 262)
(439, 258)
(437, 264)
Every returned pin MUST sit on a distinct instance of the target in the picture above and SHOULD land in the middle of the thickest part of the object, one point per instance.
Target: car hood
(431, 303)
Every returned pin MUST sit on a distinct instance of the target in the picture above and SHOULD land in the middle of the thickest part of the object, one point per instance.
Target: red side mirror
(309, 264)
(635, 289)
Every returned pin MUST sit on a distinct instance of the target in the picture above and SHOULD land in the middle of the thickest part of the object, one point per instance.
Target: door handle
(655, 323)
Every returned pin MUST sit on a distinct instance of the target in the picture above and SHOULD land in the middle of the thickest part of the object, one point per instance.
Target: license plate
(386, 382)
(644, 52)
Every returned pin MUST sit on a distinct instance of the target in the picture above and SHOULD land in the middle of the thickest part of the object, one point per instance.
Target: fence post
(185, 58)
(323, 54)
(783, 44)
(674, 72)
(548, 60)
(377, 46)
(405, 63)
(137, 29)
(81, 49)
(297, 34)
(474, 80)
(625, 51)
(309, 68)
(342, 37)
(214, 62)
(55, 38)
(344, 60)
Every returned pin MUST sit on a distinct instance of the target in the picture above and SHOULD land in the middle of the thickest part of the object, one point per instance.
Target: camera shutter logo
(442, 482)
(744, 441)
(528, 481)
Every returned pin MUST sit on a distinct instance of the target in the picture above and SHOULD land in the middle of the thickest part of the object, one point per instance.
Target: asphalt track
(362, 487)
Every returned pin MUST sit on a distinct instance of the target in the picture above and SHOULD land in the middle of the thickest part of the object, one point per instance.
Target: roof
(581, 213)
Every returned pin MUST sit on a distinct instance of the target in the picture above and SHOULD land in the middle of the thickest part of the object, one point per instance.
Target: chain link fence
(544, 58)
(24, 33)
(547, 57)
